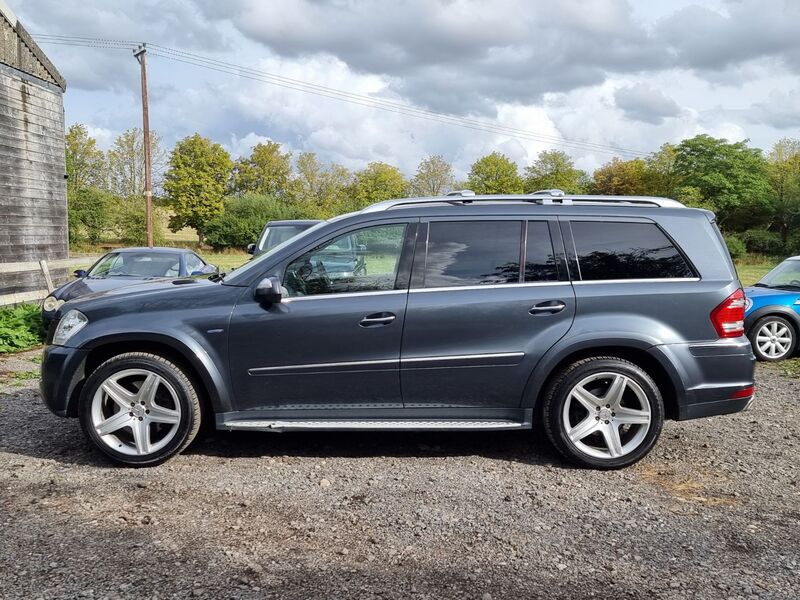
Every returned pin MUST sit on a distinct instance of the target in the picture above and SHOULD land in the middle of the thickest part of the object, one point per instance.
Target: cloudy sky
(597, 72)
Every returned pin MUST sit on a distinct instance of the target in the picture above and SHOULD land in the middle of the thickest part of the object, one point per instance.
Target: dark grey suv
(591, 318)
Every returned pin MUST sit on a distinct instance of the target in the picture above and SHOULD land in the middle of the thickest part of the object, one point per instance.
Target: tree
(784, 176)
(494, 173)
(730, 178)
(434, 177)
(90, 213)
(245, 217)
(266, 171)
(554, 169)
(126, 164)
(85, 161)
(195, 182)
(319, 188)
(620, 177)
(660, 176)
(378, 181)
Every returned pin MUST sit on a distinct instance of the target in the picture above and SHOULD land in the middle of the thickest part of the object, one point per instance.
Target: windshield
(274, 236)
(258, 262)
(786, 274)
(140, 264)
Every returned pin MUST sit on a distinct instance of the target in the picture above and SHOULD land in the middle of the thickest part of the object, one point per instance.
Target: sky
(581, 75)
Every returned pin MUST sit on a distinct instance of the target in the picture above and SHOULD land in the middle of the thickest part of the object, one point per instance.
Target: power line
(336, 94)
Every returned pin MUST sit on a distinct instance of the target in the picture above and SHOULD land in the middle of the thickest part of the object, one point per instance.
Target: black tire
(780, 322)
(174, 376)
(558, 393)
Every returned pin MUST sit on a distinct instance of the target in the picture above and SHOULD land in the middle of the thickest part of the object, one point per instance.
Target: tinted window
(362, 261)
(626, 251)
(540, 261)
(472, 253)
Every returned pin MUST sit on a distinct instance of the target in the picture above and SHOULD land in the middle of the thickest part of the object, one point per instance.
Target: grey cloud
(641, 102)
(781, 110)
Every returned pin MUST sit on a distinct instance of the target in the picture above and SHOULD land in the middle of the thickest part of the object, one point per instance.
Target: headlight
(748, 303)
(52, 304)
(70, 324)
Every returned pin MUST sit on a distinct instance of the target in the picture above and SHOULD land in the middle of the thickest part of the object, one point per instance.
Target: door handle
(550, 307)
(376, 319)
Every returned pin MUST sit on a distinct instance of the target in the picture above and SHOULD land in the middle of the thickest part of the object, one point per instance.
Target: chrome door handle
(550, 307)
(377, 319)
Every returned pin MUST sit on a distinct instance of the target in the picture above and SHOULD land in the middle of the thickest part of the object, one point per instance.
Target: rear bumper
(710, 377)
(62, 377)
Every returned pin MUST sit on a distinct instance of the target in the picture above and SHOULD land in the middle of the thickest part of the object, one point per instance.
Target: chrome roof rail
(544, 197)
(556, 193)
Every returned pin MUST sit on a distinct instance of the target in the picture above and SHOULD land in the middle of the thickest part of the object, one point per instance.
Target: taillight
(744, 393)
(728, 317)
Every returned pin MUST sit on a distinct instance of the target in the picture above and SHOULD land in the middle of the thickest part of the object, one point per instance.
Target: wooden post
(47, 279)
(141, 55)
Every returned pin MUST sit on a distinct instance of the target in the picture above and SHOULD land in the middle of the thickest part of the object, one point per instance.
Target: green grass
(752, 268)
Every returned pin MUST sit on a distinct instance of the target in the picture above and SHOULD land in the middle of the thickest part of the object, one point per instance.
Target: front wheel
(603, 412)
(773, 338)
(139, 409)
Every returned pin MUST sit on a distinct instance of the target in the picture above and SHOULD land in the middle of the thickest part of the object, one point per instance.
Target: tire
(139, 409)
(581, 424)
(773, 338)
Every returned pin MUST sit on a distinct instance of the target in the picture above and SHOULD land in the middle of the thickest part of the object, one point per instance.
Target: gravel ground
(713, 512)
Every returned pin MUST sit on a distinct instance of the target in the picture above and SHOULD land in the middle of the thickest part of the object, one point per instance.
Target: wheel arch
(770, 310)
(635, 351)
(210, 384)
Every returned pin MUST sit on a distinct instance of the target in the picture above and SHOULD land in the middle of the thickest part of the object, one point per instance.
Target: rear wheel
(140, 409)
(773, 338)
(603, 412)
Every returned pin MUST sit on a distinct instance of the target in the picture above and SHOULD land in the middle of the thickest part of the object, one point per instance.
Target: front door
(476, 324)
(334, 340)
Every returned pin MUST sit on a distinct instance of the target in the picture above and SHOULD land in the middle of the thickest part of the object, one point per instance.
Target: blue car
(772, 317)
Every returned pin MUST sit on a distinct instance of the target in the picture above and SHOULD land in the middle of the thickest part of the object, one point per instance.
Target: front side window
(194, 264)
(626, 251)
(361, 261)
(462, 253)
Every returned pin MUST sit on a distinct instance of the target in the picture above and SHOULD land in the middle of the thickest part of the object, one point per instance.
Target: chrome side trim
(643, 280)
(370, 424)
(491, 286)
(343, 295)
(355, 363)
(462, 357)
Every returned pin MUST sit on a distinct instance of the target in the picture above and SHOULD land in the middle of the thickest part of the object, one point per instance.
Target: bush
(793, 244)
(735, 246)
(21, 328)
(90, 213)
(761, 241)
(244, 218)
(131, 223)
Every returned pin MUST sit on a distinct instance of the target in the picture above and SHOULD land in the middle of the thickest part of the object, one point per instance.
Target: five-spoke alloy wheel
(773, 338)
(139, 409)
(603, 412)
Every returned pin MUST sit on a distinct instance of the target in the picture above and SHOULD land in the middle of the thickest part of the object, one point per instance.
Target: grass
(752, 268)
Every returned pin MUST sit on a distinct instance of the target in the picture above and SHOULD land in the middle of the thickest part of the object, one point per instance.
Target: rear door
(476, 323)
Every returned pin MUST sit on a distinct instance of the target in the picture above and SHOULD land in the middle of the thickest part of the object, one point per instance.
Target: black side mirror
(80, 273)
(268, 291)
(251, 248)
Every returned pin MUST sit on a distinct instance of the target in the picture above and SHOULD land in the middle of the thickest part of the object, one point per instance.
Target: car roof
(154, 250)
(289, 222)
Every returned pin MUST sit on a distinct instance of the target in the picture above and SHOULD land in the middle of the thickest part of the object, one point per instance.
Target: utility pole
(141, 56)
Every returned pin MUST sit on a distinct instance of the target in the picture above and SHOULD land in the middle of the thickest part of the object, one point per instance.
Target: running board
(368, 424)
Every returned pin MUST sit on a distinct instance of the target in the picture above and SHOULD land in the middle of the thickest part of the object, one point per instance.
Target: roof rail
(554, 192)
(463, 193)
(462, 198)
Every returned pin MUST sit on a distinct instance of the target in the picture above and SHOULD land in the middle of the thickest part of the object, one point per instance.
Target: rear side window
(540, 260)
(472, 253)
(626, 251)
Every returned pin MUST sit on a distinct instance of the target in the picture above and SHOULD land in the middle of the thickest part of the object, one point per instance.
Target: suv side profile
(593, 318)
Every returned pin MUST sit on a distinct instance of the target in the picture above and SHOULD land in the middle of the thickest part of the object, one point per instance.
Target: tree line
(756, 195)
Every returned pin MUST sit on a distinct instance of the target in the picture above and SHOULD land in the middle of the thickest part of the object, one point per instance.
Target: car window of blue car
(787, 273)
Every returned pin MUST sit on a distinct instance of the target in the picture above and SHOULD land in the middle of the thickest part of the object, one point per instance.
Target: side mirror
(251, 248)
(207, 270)
(268, 291)
(80, 273)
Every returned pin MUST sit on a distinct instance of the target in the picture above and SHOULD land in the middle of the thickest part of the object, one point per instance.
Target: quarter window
(361, 261)
(626, 251)
(472, 253)
(540, 260)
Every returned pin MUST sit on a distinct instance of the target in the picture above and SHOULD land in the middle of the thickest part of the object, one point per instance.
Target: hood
(756, 292)
(89, 285)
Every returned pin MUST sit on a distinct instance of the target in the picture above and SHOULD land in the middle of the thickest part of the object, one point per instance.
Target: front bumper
(62, 377)
(713, 376)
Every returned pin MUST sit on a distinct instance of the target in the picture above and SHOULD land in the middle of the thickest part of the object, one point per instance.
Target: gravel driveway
(713, 512)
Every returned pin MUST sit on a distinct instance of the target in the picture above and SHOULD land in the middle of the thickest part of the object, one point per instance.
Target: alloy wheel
(774, 339)
(136, 412)
(606, 415)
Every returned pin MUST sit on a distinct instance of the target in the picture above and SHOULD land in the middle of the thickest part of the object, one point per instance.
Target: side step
(369, 424)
